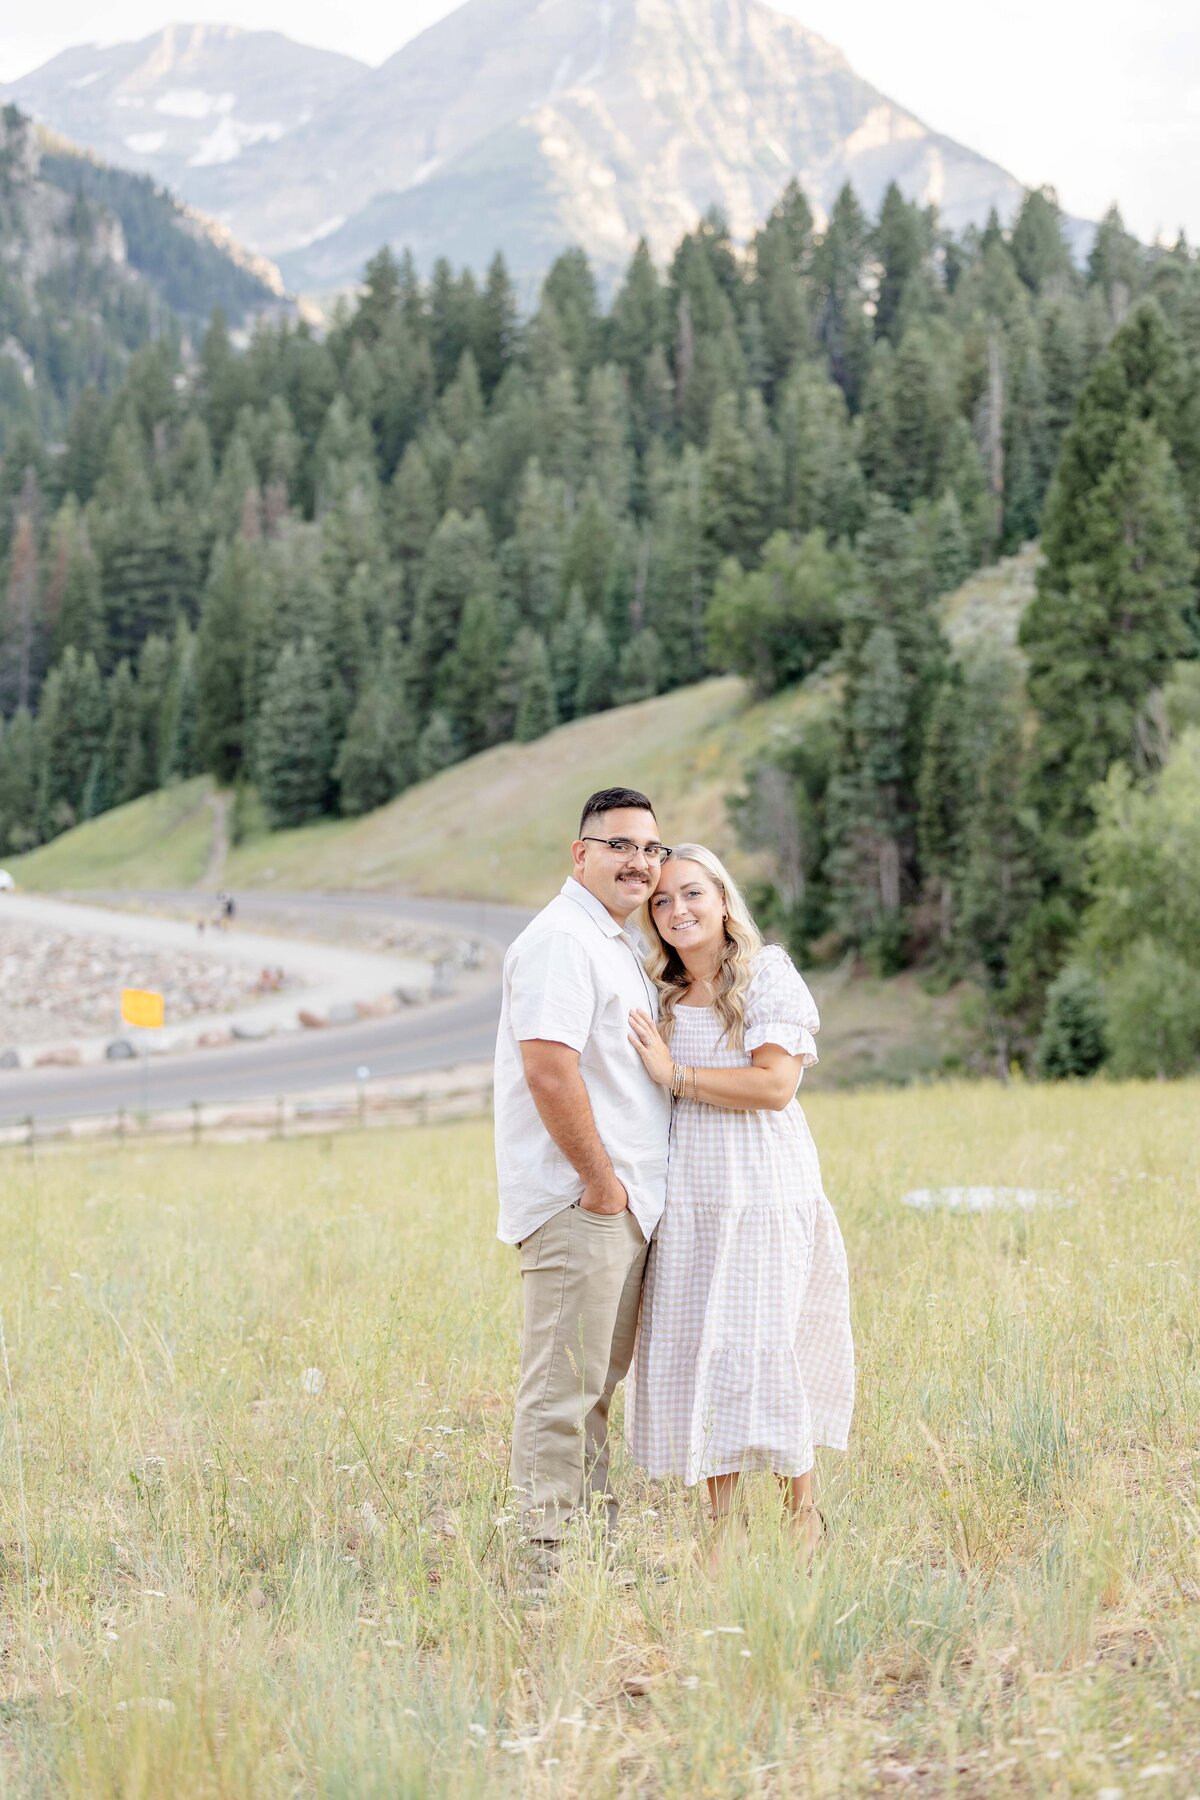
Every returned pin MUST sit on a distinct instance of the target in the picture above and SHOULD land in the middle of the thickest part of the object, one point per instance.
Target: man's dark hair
(610, 800)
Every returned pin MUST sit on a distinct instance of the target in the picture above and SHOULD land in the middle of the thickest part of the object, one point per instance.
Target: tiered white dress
(744, 1357)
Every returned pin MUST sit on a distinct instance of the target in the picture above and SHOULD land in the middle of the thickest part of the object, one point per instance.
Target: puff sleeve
(779, 1008)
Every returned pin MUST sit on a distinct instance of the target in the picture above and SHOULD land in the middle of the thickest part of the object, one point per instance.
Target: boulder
(311, 1021)
(67, 1056)
(980, 1199)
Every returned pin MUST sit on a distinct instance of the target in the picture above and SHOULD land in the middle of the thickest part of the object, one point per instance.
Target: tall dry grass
(255, 1454)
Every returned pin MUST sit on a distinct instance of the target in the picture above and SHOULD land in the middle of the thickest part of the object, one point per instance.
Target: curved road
(435, 1036)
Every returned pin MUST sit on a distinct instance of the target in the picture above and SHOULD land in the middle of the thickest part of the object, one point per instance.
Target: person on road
(745, 1359)
(581, 1156)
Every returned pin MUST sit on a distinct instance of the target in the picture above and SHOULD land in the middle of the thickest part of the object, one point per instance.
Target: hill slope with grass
(495, 826)
(161, 841)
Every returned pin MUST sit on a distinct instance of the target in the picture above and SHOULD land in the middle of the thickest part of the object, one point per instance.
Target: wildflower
(312, 1381)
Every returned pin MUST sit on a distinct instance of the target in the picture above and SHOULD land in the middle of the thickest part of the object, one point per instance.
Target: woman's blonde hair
(742, 940)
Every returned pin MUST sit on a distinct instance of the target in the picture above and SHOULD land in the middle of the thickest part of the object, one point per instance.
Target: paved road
(435, 1036)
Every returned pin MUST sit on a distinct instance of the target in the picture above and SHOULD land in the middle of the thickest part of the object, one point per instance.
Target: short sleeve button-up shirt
(572, 977)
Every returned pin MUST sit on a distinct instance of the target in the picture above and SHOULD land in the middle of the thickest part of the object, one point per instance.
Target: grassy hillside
(498, 825)
(162, 841)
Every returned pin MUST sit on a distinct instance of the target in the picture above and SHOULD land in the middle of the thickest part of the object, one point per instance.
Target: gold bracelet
(677, 1079)
(696, 1085)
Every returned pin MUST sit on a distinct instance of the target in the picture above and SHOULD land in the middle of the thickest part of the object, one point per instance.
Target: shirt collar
(575, 890)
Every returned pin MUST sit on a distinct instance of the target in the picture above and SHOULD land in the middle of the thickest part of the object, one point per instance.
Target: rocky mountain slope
(93, 261)
(523, 123)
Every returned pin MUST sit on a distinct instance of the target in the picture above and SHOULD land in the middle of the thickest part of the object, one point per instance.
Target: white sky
(1099, 97)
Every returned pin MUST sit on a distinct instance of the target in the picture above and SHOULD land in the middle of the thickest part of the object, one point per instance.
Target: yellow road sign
(142, 1006)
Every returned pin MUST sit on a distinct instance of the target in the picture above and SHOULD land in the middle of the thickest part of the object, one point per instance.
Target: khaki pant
(581, 1274)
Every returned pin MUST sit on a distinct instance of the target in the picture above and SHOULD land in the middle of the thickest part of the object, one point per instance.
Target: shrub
(1073, 1039)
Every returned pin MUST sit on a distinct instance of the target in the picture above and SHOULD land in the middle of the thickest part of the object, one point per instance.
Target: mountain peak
(526, 124)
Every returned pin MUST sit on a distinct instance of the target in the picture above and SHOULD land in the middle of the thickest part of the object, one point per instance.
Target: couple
(649, 1052)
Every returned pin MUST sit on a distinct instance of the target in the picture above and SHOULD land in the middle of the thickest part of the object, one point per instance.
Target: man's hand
(604, 1197)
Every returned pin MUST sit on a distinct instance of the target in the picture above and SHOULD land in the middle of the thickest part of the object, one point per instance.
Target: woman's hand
(657, 1059)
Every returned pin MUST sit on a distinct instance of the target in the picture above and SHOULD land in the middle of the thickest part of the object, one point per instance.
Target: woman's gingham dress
(744, 1357)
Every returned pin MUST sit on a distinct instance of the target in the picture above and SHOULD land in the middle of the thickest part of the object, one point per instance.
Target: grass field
(222, 1576)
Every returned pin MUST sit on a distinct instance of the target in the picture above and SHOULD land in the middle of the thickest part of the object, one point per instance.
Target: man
(581, 1155)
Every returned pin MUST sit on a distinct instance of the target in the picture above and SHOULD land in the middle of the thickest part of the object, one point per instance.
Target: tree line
(330, 566)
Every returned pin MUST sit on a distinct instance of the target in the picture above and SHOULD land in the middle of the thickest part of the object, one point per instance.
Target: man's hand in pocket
(605, 1198)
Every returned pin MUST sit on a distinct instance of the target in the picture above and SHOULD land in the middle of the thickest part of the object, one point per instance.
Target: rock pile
(54, 985)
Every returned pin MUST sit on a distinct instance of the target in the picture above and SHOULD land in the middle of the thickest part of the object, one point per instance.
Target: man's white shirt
(572, 977)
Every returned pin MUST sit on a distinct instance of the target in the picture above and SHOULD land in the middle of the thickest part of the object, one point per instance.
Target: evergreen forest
(325, 566)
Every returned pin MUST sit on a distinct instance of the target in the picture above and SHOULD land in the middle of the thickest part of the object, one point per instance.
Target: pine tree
(951, 552)
(292, 748)
(1113, 598)
(122, 758)
(72, 721)
(179, 758)
(999, 874)
(870, 811)
(839, 267)
(901, 242)
(19, 758)
(379, 302)
(21, 636)
(640, 668)
(593, 689)
(153, 686)
(536, 710)
(570, 287)
(733, 521)
(1039, 246)
(457, 564)
(608, 438)
(566, 651)
(377, 758)
(466, 690)
(497, 334)
(1114, 265)
(941, 801)
(822, 481)
(1074, 1038)
(782, 251)
(230, 620)
(437, 748)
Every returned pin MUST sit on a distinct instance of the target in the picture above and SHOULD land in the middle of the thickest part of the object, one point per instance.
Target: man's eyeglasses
(626, 847)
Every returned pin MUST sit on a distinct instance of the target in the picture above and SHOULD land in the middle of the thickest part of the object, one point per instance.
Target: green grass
(497, 827)
(985, 612)
(240, 1588)
(161, 841)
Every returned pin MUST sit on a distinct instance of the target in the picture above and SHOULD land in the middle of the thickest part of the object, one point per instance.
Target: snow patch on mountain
(193, 103)
(231, 136)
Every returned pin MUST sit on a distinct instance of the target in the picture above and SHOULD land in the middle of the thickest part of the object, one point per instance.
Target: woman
(744, 1357)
